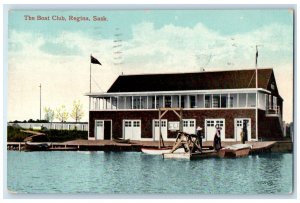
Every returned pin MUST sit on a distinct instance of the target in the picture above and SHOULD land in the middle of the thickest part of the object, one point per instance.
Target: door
(99, 127)
(189, 126)
(210, 128)
(164, 129)
(132, 129)
(240, 125)
(107, 130)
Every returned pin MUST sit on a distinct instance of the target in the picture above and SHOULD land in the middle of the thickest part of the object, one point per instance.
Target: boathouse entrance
(132, 129)
(103, 129)
(239, 125)
(164, 129)
(210, 128)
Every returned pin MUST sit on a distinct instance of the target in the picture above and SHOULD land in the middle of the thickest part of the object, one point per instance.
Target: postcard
(150, 102)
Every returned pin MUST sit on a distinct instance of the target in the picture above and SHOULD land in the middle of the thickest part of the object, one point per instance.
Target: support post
(180, 121)
(159, 120)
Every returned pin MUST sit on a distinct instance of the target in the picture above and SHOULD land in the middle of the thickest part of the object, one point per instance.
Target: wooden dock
(109, 145)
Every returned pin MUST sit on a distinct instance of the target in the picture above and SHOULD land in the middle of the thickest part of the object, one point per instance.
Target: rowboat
(234, 151)
(36, 146)
(120, 140)
(157, 151)
(38, 141)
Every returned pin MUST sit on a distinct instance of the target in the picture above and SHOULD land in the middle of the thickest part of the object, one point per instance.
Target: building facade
(229, 99)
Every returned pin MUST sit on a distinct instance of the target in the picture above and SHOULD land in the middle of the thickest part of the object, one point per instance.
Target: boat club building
(130, 107)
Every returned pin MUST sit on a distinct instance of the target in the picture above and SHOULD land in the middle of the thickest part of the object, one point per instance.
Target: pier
(110, 145)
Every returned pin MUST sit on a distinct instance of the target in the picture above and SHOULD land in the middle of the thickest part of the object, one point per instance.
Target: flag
(95, 61)
(256, 56)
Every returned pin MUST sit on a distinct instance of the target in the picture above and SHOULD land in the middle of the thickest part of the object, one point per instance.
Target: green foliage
(61, 114)
(77, 111)
(49, 114)
(66, 135)
(15, 135)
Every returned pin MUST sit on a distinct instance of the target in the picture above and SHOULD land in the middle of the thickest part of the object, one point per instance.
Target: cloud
(61, 62)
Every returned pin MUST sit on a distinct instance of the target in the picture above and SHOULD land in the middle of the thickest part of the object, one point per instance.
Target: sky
(56, 53)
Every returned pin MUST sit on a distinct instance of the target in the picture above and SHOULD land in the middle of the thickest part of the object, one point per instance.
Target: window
(127, 123)
(239, 123)
(136, 123)
(270, 101)
(159, 101)
(114, 102)
(207, 101)
(99, 123)
(163, 123)
(168, 101)
(151, 102)
(182, 101)
(136, 102)
(251, 99)
(143, 102)
(273, 86)
(223, 101)
(210, 123)
(216, 101)
(242, 100)
(274, 102)
(233, 100)
(192, 101)
(185, 123)
(220, 123)
(192, 123)
(175, 101)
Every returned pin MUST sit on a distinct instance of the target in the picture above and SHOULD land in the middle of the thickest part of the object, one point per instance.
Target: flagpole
(90, 82)
(256, 86)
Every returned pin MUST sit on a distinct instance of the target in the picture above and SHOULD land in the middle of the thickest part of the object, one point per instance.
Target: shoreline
(109, 145)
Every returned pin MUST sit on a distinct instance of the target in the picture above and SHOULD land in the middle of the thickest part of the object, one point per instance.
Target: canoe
(120, 140)
(157, 151)
(36, 146)
(234, 151)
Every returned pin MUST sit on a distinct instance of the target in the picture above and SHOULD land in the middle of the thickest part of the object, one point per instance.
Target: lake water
(137, 173)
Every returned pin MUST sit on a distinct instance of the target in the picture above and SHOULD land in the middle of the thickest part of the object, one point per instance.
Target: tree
(77, 112)
(62, 114)
(49, 114)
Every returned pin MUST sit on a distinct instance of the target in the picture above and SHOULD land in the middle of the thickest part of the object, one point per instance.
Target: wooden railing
(273, 111)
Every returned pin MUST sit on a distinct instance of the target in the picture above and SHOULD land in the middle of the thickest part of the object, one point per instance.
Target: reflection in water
(136, 173)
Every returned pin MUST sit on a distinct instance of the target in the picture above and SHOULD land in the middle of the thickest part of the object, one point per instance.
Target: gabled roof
(234, 79)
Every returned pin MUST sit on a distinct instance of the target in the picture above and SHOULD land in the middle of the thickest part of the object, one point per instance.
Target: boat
(121, 140)
(161, 151)
(38, 141)
(191, 156)
(36, 146)
(234, 151)
(156, 151)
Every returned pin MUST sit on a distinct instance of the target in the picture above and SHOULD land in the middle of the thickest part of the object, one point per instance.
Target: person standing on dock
(245, 132)
(200, 135)
(217, 138)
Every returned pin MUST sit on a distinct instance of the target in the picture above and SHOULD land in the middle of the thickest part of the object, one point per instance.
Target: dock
(110, 145)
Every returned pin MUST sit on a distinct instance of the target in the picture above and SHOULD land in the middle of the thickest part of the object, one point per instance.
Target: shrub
(15, 135)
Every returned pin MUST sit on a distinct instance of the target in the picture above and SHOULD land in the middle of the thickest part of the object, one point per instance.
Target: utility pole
(256, 87)
(40, 101)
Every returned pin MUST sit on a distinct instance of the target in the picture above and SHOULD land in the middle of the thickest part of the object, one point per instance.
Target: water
(137, 173)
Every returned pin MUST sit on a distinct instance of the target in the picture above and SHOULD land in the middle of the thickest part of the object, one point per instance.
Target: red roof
(234, 79)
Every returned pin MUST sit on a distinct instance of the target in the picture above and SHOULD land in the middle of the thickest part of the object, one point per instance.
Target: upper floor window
(216, 101)
(207, 101)
(168, 101)
(192, 101)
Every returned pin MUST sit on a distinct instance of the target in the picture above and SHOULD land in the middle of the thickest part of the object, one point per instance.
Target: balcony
(273, 112)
